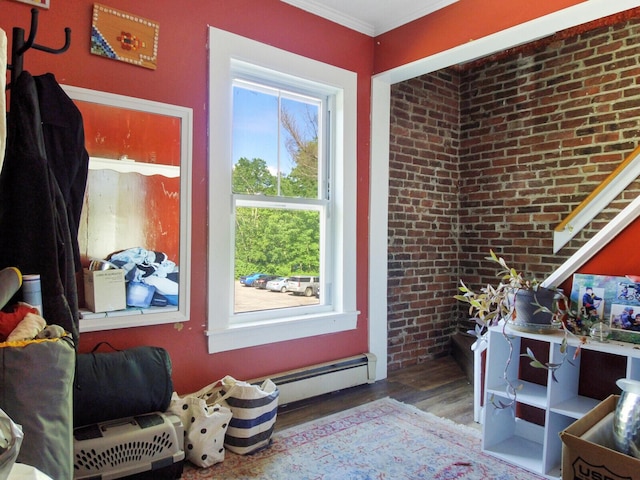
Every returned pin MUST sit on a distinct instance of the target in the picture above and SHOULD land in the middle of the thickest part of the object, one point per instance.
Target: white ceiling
(371, 17)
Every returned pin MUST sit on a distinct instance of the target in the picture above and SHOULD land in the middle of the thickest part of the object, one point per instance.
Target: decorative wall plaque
(123, 36)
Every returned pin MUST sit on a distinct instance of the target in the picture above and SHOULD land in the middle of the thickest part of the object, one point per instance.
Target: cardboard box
(104, 290)
(588, 451)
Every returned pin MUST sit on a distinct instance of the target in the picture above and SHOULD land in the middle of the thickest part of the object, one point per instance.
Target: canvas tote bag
(254, 409)
(205, 423)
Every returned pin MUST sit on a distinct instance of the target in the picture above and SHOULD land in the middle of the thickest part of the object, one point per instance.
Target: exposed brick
(495, 155)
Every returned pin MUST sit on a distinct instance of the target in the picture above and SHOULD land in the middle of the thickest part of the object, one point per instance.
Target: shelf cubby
(513, 439)
(527, 433)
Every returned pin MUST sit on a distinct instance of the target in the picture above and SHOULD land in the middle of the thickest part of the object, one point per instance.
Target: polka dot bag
(205, 425)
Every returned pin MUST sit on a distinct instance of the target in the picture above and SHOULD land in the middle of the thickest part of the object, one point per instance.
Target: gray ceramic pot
(527, 318)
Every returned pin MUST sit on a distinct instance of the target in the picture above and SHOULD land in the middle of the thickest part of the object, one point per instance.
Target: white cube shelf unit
(522, 442)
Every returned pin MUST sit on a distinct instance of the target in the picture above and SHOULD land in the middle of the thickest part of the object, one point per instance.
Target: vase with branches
(522, 303)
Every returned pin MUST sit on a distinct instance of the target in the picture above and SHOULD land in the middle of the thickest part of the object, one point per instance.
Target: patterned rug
(384, 439)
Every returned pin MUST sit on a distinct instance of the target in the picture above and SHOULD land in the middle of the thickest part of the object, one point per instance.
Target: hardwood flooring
(438, 386)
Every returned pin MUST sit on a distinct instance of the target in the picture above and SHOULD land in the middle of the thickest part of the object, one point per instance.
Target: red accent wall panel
(116, 133)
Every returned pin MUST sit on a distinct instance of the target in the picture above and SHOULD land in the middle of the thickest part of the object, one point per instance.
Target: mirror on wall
(137, 199)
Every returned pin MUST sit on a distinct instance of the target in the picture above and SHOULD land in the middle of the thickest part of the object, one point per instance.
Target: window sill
(250, 335)
(131, 317)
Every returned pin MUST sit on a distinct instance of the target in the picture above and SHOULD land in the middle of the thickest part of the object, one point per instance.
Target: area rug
(384, 439)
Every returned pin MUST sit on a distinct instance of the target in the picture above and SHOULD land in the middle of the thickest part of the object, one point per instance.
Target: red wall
(457, 24)
(181, 79)
(113, 133)
(620, 256)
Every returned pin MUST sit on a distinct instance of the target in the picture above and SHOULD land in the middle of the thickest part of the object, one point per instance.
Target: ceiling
(371, 17)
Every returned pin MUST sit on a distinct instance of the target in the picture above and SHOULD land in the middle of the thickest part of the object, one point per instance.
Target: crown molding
(412, 15)
(371, 28)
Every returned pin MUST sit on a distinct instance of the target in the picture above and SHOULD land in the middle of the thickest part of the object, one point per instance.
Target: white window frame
(227, 54)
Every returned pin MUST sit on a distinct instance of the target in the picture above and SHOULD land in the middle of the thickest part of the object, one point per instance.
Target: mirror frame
(152, 316)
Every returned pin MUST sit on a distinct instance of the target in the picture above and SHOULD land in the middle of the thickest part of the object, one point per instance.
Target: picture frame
(615, 300)
(37, 3)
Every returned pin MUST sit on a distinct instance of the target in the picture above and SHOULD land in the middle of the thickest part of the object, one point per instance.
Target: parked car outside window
(278, 285)
(262, 281)
(303, 285)
(244, 277)
(248, 282)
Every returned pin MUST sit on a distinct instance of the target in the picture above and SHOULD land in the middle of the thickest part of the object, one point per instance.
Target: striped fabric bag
(254, 409)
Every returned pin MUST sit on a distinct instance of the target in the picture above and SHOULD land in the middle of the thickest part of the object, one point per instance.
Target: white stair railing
(602, 196)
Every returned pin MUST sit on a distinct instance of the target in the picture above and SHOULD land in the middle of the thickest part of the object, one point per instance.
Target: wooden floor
(438, 386)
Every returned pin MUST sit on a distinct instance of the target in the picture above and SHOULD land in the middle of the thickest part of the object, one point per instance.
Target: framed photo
(37, 3)
(613, 300)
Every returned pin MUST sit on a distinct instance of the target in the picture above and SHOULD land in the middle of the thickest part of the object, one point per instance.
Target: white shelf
(614, 347)
(131, 317)
(528, 393)
(575, 407)
(514, 440)
(131, 166)
(519, 451)
(537, 448)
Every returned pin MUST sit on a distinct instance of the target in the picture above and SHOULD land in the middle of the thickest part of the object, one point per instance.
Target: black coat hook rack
(20, 46)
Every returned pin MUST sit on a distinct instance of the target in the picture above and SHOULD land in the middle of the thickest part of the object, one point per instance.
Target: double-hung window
(282, 195)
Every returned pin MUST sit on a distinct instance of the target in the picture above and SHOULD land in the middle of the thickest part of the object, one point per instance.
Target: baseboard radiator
(324, 378)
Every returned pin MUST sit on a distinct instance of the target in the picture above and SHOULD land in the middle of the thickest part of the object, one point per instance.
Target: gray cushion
(36, 384)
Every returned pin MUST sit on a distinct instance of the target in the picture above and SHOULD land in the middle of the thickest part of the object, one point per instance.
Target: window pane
(275, 142)
(279, 243)
(255, 142)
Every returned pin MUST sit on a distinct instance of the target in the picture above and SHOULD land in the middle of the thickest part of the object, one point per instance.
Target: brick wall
(495, 154)
(423, 217)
